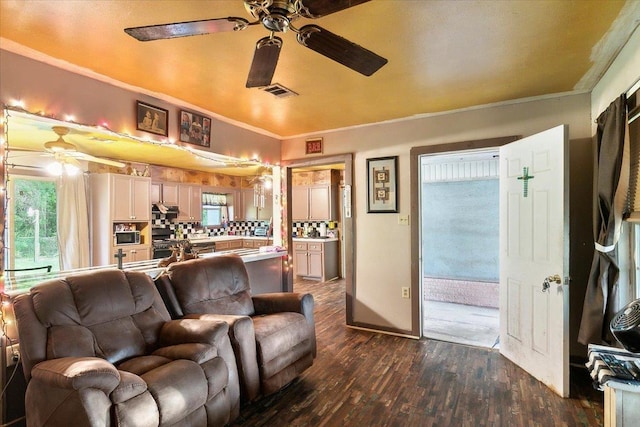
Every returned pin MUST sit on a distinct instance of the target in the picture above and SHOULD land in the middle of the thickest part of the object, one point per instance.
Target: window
(215, 211)
(33, 240)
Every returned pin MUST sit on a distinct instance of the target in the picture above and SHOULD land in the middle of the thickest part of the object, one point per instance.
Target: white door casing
(534, 246)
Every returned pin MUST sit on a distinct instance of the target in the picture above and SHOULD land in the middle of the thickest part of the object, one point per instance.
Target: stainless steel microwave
(126, 238)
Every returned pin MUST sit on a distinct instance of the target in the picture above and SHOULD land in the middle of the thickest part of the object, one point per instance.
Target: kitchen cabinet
(315, 197)
(189, 203)
(257, 208)
(255, 243)
(134, 253)
(165, 193)
(317, 202)
(119, 201)
(315, 259)
(229, 245)
(130, 198)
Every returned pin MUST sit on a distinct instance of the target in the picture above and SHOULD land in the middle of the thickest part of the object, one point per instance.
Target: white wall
(623, 72)
(383, 263)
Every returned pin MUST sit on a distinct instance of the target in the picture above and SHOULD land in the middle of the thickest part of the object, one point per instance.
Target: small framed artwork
(195, 128)
(313, 146)
(382, 187)
(151, 119)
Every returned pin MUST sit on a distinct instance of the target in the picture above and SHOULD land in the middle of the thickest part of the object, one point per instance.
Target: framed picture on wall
(195, 128)
(382, 185)
(151, 119)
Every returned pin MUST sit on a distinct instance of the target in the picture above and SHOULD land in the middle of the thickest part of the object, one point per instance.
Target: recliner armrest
(185, 331)
(77, 373)
(278, 302)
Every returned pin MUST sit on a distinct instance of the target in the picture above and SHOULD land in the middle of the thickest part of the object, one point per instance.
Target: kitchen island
(264, 265)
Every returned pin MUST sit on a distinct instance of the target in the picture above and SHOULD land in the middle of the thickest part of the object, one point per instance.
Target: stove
(162, 244)
(163, 248)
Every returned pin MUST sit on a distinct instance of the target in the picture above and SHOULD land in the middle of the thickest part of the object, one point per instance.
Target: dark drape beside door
(609, 197)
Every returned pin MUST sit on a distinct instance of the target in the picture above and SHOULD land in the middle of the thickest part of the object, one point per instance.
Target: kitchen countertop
(314, 239)
(228, 238)
(23, 283)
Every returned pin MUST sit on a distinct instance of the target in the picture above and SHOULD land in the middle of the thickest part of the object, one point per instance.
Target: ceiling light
(71, 170)
(54, 168)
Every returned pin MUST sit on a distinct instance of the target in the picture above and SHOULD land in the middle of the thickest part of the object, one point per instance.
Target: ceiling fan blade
(318, 8)
(340, 49)
(90, 158)
(265, 59)
(185, 29)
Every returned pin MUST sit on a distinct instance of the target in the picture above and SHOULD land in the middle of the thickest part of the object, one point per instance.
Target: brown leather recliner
(100, 349)
(273, 335)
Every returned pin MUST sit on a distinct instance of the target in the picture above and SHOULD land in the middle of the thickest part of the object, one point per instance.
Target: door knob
(547, 281)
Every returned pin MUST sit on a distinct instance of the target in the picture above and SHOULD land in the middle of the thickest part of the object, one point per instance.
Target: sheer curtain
(73, 222)
(611, 182)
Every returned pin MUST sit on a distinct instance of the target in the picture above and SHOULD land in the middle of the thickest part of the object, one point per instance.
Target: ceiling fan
(65, 154)
(63, 150)
(277, 17)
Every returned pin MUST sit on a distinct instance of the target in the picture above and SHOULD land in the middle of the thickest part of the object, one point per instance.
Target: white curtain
(73, 222)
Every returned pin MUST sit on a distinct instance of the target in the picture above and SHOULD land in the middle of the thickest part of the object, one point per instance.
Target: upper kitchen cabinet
(257, 207)
(165, 193)
(189, 203)
(130, 198)
(315, 195)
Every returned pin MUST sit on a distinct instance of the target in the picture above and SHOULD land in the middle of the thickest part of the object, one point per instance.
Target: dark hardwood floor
(368, 379)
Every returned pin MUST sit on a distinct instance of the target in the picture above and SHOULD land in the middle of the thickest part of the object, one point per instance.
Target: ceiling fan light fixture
(54, 168)
(71, 170)
(276, 21)
(58, 168)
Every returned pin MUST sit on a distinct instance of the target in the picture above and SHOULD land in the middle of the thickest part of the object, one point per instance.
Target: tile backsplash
(238, 228)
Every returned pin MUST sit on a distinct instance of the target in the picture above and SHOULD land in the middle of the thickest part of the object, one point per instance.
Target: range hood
(159, 208)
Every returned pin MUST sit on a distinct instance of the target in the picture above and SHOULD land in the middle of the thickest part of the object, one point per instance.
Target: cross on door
(525, 180)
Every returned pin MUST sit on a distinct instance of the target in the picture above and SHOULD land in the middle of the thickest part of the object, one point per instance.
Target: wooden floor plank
(363, 378)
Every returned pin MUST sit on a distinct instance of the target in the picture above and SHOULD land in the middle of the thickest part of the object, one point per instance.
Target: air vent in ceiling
(279, 91)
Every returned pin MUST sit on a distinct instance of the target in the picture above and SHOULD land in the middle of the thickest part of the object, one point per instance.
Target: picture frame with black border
(195, 128)
(152, 119)
(382, 185)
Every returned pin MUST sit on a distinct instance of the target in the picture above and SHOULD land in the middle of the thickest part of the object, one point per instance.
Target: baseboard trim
(396, 334)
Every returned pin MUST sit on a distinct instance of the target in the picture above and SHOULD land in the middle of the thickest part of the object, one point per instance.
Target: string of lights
(17, 108)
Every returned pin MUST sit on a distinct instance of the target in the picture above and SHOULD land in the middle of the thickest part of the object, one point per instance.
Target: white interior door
(534, 321)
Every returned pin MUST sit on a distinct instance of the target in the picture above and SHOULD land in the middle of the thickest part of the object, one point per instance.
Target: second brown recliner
(273, 335)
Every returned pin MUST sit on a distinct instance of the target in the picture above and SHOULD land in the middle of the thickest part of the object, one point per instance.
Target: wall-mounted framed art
(195, 128)
(382, 185)
(313, 146)
(152, 119)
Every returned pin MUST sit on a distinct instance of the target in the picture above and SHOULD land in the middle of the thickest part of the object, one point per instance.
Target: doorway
(459, 194)
(341, 226)
(439, 319)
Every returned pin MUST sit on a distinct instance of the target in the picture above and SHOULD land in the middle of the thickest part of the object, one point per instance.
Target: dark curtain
(599, 299)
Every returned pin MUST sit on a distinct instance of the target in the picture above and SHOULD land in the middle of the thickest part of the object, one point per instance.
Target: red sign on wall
(314, 146)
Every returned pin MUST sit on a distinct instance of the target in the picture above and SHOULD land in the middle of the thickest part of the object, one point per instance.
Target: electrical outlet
(406, 292)
(403, 219)
(13, 354)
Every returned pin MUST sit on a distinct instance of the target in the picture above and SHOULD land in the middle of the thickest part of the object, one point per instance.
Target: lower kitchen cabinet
(228, 245)
(133, 253)
(254, 243)
(316, 260)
